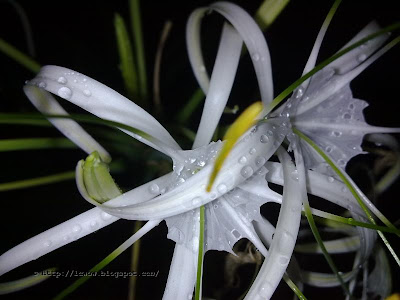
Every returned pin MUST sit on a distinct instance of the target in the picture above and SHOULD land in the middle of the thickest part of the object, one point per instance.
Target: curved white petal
(73, 229)
(103, 102)
(192, 193)
(222, 78)
(255, 43)
(285, 235)
(46, 104)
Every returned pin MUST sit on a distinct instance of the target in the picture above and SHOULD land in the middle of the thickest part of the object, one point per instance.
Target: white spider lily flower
(241, 185)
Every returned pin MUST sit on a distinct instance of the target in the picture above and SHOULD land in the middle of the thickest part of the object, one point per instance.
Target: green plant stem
(200, 255)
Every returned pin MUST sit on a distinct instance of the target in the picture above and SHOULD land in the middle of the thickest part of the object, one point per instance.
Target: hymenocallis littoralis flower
(316, 111)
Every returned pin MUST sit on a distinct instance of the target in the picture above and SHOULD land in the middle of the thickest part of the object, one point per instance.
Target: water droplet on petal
(265, 291)
(93, 224)
(295, 175)
(236, 234)
(76, 228)
(346, 116)
(47, 243)
(213, 196)
(328, 149)
(362, 57)
(283, 260)
(87, 93)
(62, 80)
(243, 160)
(246, 171)
(264, 139)
(260, 161)
(222, 188)
(154, 189)
(105, 216)
(42, 84)
(65, 93)
(196, 201)
(331, 179)
(252, 151)
(255, 56)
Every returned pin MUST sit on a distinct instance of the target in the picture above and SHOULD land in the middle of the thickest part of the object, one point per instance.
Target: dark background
(80, 35)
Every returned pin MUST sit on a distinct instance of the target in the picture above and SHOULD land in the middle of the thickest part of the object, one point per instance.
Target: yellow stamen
(240, 126)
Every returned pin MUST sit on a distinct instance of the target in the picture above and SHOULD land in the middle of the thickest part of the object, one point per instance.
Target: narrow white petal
(74, 229)
(103, 102)
(222, 78)
(285, 235)
(255, 43)
(46, 104)
(182, 274)
(192, 193)
(193, 45)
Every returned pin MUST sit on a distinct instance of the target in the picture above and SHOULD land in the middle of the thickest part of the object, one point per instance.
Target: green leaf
(21, 58)
(35, 143)
(127, 65)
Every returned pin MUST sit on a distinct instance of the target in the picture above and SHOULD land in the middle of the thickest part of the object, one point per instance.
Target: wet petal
(103, 102)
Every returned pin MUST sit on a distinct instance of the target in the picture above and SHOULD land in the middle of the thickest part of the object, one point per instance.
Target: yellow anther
(240, 126)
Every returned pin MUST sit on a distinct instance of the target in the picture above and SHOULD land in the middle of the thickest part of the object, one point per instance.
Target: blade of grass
(268, 11)
(352, 190)
(326, 62)
(22, 184)
(35, 143)
(136, 25)
(20, 284)
(127, 63)
(21, 58)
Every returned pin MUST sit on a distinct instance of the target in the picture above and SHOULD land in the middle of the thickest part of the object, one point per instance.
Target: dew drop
(346, 116)
(362, 57)
(196, 201)
(222, 188)
(47, 243)
(62, 80)
(328, 149)
(65, 93)
(336, 133)
(341, 162)
(76, 228)
(264, 139)
(236, 234)
(331, 179)
(295, 175)
(270, 133)
(42, 84)
(243, 160)
(283, 260)
(93, 224)
(255, 56)
(154, 189)
(213, 196)
(190, 296)
(252, 151)
(299, 93)
(246, 171)
(105, 216)
(202, 68)
(265, 291)
(351, 106)
(66, 238)
(87, 93)
(215, 206)
(260, 161)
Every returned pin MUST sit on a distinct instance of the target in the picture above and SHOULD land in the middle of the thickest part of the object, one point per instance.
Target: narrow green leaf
(352, 190)
(127, 63)
(194, 101)
(136, 25)
(35, 143)
(268, 11)
(20, 284)
(326, 62)
(22, 184)
(21, 58)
